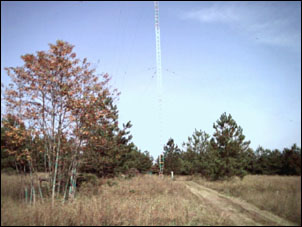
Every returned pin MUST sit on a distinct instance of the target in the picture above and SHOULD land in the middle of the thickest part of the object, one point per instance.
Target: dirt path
(236, 210)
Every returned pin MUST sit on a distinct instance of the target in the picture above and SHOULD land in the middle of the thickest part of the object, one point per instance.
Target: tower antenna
(159, 76)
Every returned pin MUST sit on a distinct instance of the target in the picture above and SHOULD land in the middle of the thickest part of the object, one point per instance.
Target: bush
(87, 178)
(132, 172)
(9, 171)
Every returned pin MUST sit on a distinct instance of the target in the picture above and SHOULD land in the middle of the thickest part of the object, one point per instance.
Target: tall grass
(279, 194)
(142, 200)
(148, 200)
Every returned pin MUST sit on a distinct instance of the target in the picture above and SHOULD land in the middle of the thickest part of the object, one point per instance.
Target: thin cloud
(212, 14)
(266, 23)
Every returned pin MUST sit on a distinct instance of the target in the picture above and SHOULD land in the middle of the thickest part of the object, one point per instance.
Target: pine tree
(291, 160)
(197, 148)
(172, 158)
(16, 151)
(228, 142)
(142, 161)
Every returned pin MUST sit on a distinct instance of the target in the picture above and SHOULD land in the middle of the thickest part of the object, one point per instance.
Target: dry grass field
(279, 194)
(144, 200)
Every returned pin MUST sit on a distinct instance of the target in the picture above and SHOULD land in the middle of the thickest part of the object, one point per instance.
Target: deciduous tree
(59, 96)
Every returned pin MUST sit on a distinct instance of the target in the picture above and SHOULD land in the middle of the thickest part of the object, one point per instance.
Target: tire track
(238, 211)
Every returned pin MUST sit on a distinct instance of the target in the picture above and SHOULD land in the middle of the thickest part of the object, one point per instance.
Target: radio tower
(159, 78)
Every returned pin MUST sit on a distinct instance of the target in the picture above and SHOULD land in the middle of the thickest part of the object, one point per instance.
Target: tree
(172, 158)
(59, 97)
(228, 142)
(108, 147)
(15, 141)
(262, 161)
(291, 160)
(196, 153)
(142, 161)
(250, 161)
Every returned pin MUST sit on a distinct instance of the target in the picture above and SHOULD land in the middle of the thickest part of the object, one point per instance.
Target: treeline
(226, 154)
(117, 154)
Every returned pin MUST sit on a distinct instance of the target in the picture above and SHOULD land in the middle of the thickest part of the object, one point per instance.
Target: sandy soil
(237, 211)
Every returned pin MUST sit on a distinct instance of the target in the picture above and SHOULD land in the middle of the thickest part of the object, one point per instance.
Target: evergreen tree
(172, 158)
(196, 155)
(274, 162)
(228, 143)
(291, 161)
(108, 147)
(250, 161)
(142, 161)
(15, 144)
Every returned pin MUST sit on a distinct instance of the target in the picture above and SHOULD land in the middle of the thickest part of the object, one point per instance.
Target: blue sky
(242, 58)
